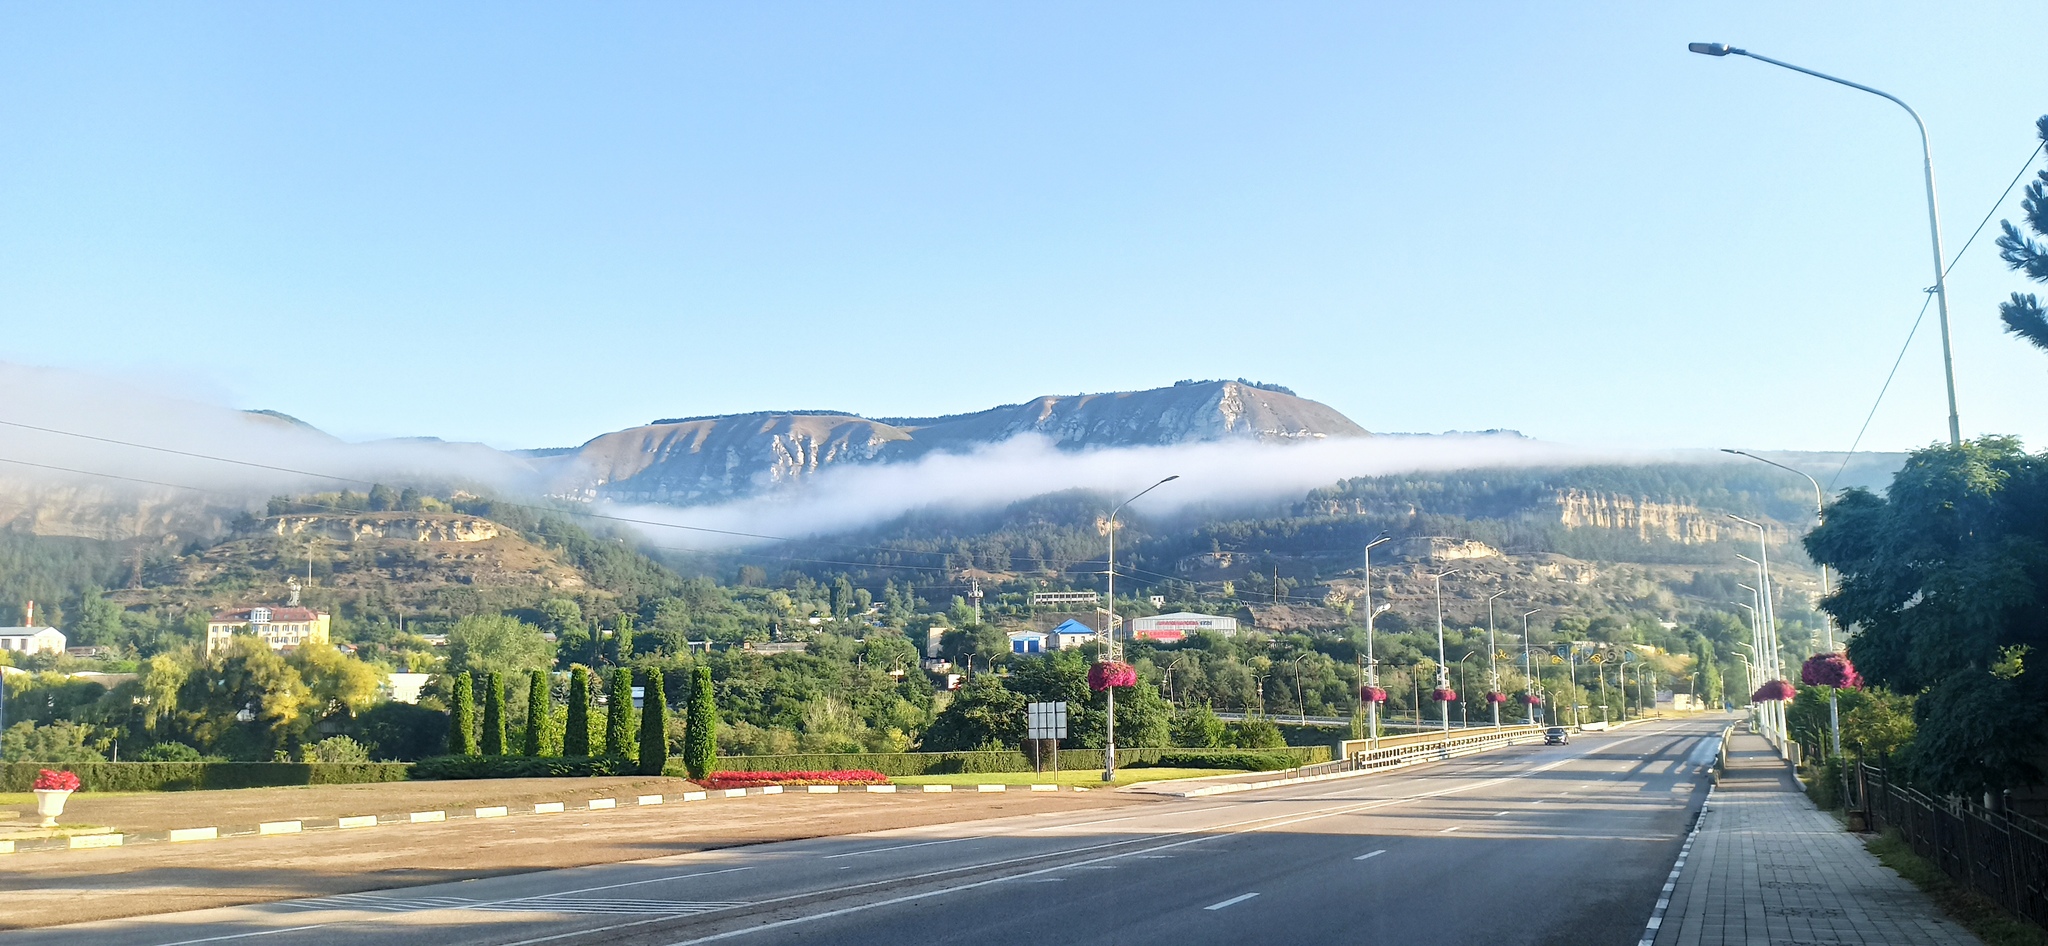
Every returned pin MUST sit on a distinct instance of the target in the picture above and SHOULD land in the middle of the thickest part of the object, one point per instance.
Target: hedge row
(515, 766)
(184, 776)
(955, 763)
(1250, 761)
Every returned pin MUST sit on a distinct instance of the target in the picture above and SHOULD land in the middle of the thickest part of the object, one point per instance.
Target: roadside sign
(1046, 720)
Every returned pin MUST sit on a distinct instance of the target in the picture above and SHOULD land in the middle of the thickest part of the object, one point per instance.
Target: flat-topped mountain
(696, 459)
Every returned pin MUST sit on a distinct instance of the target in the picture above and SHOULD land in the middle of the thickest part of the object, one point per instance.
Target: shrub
(494, 714)
(576, 730)
(462, 717)
(1198, 728)
(402, 732)
(338, 749)
(1248, 761)
(1256, 733)
(700, 732)
(472, 767)
(539, 716)
(182, 776)
(719, 780)
(618, 715)
(654, 727)
(168, 752)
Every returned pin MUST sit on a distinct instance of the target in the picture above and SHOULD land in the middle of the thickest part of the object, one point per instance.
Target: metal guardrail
(2002, 856)
(1397, 751)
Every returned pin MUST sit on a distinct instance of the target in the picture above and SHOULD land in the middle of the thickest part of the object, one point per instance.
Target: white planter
(50, 804)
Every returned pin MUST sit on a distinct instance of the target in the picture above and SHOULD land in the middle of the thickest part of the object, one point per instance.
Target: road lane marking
(1450, 829)
(1240, 898)
(900, 847)
(1369, 855)
(1499, 813)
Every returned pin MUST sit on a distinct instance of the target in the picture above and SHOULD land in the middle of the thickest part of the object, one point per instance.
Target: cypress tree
(618, 715)
(653, 727)
(462, 716)
(700, 732)
(622, 641)
(540, 719)
(494, 714)
(576, 732)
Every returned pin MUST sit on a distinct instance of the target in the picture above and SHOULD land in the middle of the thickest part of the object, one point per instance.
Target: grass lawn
(1082, 777)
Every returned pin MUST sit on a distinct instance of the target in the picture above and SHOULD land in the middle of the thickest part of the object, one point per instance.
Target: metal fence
(2002, 856)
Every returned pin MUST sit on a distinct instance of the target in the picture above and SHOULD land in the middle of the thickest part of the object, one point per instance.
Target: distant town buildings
(284, 629)
(1044, 599)
(30, 639)
(1178, 625)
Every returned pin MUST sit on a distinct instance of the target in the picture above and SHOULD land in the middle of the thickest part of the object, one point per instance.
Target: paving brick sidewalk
(1768, 869)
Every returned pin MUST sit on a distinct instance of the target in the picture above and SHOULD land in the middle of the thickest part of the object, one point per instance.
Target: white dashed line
(1240, 898)
(1368, 855)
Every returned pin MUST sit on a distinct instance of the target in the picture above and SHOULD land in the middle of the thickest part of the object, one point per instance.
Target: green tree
(63, 742)
(336, 683)
(462, 716)
(576, 730)
(984, 714)
(246, 703)
(1945, 574)
(622, 641)
(1198, 727)
(494, 714)
(653, 727)
(337, 749)
(618, 715)
(482, 644)
(2023, 315)
(700, 732)
(540, 738)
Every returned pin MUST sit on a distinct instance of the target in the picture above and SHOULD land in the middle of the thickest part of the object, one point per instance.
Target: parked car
(1557, 736)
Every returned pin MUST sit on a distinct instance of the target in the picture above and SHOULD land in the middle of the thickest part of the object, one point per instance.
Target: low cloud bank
(1212, 475)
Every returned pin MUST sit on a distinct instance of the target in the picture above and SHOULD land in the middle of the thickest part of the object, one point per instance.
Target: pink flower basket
(1495, 696)
(1102, 676)
(1830, 670)
(48, 780)
(1444, 695)
(1532, 699)
(1372, 695)
(1772, 691)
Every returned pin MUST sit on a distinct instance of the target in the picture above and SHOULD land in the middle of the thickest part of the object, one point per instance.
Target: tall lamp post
(1109, 632)
(1955, 427)
(1827, 621)
(1372, 666)
(1769, 658)
(1571, 662)
(1298, 701)
(1528, 666)
(1492, 661)
(1443, 673)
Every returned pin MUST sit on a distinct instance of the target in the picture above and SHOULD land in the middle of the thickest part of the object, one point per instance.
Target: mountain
(690, 460)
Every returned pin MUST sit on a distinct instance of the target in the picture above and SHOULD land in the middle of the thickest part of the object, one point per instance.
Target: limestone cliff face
(113, 513)
(410, 527)
(1676, 522)
(712, 458)
(1188, 413)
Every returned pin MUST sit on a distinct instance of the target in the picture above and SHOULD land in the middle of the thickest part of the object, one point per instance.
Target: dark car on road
(1557, 736)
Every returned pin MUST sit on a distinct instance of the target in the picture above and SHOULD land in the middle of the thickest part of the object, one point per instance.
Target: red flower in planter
(1495, 696)
(1773, 690)
(49, 781)
(1830, 670)
(1444, 695)
(1532, 699)
(1372, 695)
(1102, 676)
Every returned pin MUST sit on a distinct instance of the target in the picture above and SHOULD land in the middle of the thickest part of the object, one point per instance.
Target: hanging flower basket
(1495, 696)
(52, 789)
(1371, 694)
(1444, 695)
(1102, 676)
(1772, 691)
(1830, 670)
(1532, 699)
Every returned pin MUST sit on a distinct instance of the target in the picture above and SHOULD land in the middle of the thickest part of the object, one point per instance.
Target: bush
(897, 764)
(721, 780)
(512, 766)
(462, 716)
(654, 727)
(184, 776)
(337, 749)
(1256, 733)
(494, 714)
(576, 731)
(618, 715)
(402, 732)
(169, 752)
(700, 730)
(1248, 761)
(1198, 728)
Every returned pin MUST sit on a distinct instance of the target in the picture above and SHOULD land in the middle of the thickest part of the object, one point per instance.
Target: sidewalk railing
(2002, 856)
(1396, 751)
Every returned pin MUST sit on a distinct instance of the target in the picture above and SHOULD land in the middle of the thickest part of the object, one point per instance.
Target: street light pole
(1492, 661)
(1109, 633)
(1827, 621)
(1528, 666)
(1299, 703)
(1948, 369)
(1372, 666)
(1771, 661)
(1443, 673)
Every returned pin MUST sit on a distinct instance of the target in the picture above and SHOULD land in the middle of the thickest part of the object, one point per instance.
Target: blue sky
(529, 224)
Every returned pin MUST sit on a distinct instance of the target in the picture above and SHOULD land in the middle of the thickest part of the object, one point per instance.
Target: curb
(81, 842)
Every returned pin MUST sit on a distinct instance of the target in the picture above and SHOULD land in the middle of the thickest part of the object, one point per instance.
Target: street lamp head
(1712, 49)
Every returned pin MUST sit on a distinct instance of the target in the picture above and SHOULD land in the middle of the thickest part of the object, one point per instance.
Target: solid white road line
(899, 847)
(1450, 829)
(1369, 855)
(1240, 898)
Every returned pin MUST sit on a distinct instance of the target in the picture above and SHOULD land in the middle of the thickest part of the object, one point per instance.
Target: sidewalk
(1766, 868)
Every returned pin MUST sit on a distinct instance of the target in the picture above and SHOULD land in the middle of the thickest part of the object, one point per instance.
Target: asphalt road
(1533, 844)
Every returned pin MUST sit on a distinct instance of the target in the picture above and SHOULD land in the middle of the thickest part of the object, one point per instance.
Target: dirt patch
(46, 889)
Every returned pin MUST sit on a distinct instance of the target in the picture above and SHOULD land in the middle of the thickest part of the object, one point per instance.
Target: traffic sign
(1046, 720)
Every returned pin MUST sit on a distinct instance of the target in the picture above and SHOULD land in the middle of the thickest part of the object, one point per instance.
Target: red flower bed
(1372, 695)
(757, 779)
(1773, 690)
(50, 781)
(1830, 670)
(1496, 696)
(1444, 695)
(1102, 676)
